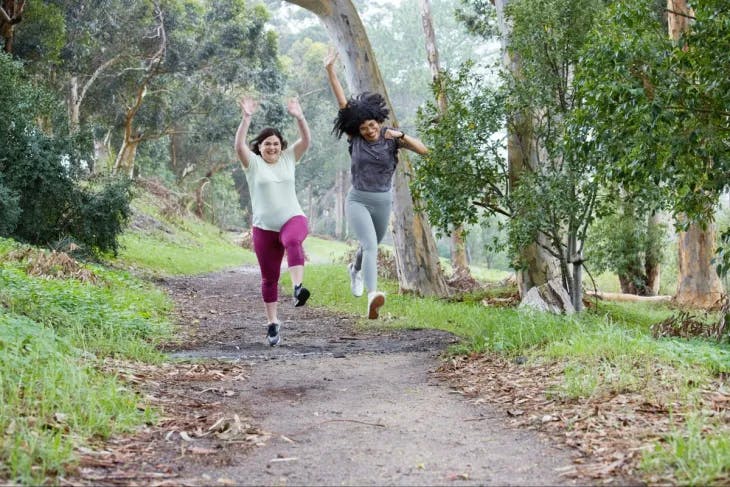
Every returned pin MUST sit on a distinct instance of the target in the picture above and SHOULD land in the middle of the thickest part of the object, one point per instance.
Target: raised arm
(329, 66)
(301, 145)
(407, 141)
(248, 107)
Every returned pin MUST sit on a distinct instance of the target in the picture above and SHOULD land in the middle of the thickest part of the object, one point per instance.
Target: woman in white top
(279, 224)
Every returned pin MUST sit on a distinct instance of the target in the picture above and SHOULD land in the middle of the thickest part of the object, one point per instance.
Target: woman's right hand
(248, 105)
(330, 58)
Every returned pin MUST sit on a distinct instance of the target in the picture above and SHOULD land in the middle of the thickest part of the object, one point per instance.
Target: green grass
(51, 402)
(176, 246)
(325, 251)
(52, 333)
(695, 454)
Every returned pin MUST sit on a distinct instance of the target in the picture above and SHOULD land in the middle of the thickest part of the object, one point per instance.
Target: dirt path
(340, 406)
(333, 405)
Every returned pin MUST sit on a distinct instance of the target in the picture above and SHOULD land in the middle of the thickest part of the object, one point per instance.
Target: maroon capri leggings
(270, 246)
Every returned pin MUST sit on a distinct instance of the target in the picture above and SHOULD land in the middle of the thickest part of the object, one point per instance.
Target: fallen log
(628, 297)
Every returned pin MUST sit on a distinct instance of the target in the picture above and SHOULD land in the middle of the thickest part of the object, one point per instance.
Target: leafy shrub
(41, 175)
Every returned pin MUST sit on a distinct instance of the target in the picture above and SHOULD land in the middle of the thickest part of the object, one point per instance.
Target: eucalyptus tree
(534, 265)
(459, 259)
(657, 108)
(416, 256)
(546, 186)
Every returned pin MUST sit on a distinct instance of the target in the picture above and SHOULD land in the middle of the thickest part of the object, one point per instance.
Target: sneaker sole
(302, 298)
(375, 305)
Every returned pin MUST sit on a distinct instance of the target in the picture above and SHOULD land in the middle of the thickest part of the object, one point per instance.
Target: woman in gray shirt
(373, 159)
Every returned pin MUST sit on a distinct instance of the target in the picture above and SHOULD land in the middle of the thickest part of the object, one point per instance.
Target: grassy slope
(55, 333)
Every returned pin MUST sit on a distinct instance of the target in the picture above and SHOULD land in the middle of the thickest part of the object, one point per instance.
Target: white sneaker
(376, 299)
(356, 285)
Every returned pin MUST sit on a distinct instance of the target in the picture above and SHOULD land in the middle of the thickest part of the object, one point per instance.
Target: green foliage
(53, 333)
(479, 17)
(464, 175)
(625, 243)
(42, 174)
(657, 110)
(41, 34)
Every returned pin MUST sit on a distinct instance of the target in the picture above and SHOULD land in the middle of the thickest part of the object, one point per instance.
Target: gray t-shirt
(372, 164)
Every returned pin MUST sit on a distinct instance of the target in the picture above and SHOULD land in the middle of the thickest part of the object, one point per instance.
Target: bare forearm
(240, 143)
(336, 87)
(414, 144)
(301, 145)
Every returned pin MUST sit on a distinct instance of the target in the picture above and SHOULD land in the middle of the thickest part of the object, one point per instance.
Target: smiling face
(370, 130)
(270, 149)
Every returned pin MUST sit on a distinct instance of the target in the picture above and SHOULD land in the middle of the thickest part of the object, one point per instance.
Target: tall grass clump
(121, 316)
(51, 401)
(695, 454)
(54, 330)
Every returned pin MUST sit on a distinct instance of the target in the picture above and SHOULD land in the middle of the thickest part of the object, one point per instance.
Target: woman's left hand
(393, 134)
(294, 108)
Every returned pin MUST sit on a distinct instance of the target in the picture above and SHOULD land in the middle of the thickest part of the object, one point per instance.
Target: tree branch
(5, 15)
(680, 14)
(95, 75)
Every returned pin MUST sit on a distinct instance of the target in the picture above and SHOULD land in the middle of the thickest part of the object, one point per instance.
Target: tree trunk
(340, 193)
(124, 163)
(652, 263)
(415, 249)
(699, 285)
(11, 13)
(537, 265)
(74, 112)
(459, 261)
(102, 154)
(311, 215)
(76, 95)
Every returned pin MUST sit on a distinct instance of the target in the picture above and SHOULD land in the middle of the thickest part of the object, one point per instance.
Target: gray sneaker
(301, 295)
(272, 335)
(356, 285)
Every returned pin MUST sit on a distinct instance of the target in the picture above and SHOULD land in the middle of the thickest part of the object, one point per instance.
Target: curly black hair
(365, 106)
(265, 134)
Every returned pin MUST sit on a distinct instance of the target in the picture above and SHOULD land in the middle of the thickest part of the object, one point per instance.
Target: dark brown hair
(265, 134)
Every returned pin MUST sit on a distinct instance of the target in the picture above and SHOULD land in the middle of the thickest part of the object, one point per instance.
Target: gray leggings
(368, 214)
